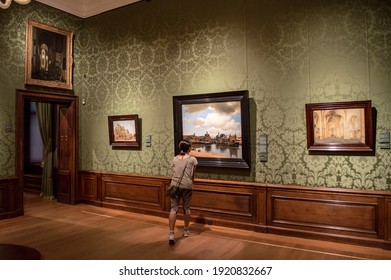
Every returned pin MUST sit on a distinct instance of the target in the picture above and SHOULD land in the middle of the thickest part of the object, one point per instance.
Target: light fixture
(4, 4)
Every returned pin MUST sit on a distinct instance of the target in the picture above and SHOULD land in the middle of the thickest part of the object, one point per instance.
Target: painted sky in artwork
(212, 118)
(129, 125)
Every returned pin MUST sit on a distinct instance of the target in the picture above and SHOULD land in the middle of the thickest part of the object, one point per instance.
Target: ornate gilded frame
(49, 58)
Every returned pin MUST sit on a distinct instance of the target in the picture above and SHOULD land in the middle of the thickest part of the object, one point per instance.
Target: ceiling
(87, 8)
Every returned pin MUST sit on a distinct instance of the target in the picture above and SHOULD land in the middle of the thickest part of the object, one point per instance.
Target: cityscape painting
(214, 129)
(123, 131)
(217, 125)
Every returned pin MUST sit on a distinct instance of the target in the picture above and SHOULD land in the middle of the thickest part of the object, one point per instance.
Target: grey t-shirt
(178, 164)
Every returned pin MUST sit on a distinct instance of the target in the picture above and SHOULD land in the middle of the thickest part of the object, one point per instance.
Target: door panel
(65, 155)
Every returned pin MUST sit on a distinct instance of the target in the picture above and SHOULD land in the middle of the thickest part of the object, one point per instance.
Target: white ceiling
(87, 8)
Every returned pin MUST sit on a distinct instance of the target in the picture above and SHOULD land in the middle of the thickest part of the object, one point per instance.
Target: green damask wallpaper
(12, 66)
(286, 53)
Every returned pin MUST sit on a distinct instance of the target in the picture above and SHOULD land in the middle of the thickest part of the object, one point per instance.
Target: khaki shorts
(184, 195)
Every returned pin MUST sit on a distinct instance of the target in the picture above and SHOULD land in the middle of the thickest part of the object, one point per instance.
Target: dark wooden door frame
(57, 98)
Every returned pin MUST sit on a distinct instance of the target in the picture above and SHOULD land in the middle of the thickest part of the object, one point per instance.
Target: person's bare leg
(186, 231)
(172, 220)
(171, 223)
(186, 219)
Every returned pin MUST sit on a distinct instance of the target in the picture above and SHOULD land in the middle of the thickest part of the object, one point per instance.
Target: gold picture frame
(49, 57)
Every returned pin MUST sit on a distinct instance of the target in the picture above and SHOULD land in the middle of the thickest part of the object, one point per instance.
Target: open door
(67, 143)
(66, 189)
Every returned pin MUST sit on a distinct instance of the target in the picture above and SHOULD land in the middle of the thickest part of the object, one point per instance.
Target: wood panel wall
(32, 183)
(11, 204)
(351, 216)
(388, 220)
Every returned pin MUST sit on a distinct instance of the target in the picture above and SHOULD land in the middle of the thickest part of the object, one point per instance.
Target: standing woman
(183, 168)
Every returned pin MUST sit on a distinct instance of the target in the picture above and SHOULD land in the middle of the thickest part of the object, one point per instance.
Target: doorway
(66, 118)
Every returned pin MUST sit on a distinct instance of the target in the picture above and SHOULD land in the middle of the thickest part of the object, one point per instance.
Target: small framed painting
(340, 128)
(123, 131)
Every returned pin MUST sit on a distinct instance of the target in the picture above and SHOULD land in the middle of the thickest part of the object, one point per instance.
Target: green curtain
(46, 127)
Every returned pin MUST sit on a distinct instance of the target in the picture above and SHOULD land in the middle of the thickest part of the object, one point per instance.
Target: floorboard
(86, 232)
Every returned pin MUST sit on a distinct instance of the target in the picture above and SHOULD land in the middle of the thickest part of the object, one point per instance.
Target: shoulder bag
(173, 188)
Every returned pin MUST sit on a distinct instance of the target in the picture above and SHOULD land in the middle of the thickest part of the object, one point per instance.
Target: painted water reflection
(217, 150)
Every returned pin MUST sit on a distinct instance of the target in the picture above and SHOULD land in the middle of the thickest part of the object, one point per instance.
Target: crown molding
(86, 8)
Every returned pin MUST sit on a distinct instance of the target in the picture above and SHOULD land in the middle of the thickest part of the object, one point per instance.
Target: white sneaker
(186, 232)
(171, 238)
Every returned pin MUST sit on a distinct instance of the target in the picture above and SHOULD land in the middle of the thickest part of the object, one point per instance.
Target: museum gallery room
(286, 104)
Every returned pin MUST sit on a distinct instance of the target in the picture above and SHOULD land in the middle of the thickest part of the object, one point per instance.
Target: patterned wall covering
(12, 58)
(286, 53)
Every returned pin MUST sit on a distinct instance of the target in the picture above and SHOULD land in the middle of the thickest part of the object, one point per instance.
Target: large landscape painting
(214, 129)
(217, 125)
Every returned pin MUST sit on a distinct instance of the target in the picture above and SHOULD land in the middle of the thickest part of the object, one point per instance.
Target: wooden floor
(85, 232)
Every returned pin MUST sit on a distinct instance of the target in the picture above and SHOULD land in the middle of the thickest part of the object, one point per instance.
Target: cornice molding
(86, 8)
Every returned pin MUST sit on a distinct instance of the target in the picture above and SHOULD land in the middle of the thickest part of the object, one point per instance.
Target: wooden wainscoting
(327, 213)
(10, 203)
(90, 188)
(388, 219)
(233, 204)
(140, 194)
(32, 183)
(350, 216)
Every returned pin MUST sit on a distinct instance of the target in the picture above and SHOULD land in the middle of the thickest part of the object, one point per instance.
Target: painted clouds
(212, 118)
